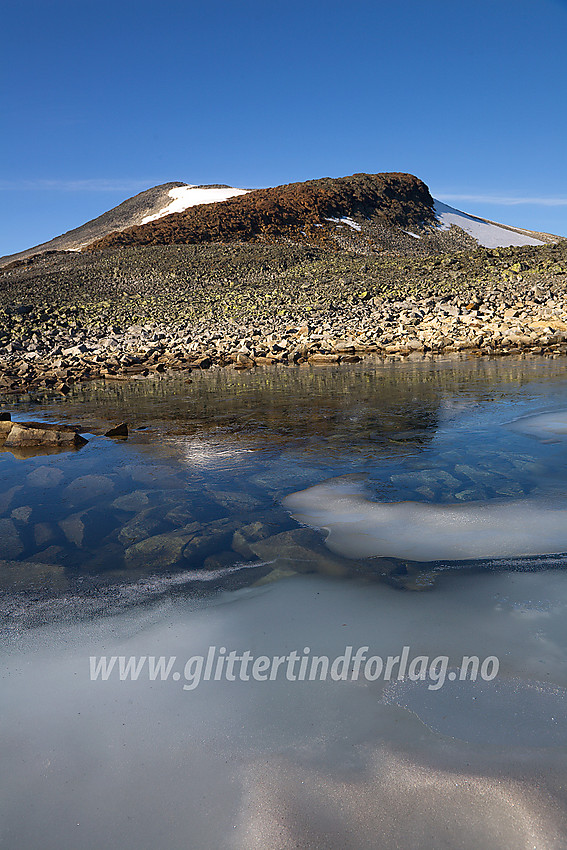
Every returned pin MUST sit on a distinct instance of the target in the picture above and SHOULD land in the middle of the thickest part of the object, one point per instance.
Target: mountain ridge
(364, 213)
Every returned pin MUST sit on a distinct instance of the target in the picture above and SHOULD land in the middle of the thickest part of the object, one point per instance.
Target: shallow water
(355, 763)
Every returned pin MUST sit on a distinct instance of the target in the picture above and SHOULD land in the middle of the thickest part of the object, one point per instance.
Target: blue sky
(101, 100)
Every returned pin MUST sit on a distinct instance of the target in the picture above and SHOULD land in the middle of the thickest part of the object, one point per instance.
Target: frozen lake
(175, 548)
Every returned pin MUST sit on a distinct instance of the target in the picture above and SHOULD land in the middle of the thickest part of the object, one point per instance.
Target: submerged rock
(22, 514)
(87, 527)
(142, 525)
(135, 501)
(22, 575)
(45, 476)
(248, 534)
(10, 541)
(44, 533)
(209, 539)
(88, 487)
(7, 496)
(299, 549)
(160, 552)
(235, 500)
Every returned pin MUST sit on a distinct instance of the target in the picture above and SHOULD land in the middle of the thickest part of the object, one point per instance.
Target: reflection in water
(200, 482)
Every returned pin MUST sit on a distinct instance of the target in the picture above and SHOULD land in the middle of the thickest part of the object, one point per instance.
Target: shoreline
(51, 361)
(132, 313)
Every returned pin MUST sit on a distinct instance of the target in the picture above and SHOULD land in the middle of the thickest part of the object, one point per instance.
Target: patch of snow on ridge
(183, 197)
(346, 220)
(487, 235)
(409, 233)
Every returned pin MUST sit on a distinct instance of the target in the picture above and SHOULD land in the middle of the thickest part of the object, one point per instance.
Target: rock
(274, 575)
(45, 476)
(88, 487)
(5, 428)
(87, 527)
(22, 514)
(299, 549)
(152, 475)
(50, 555)
(202, 363)
(180, 515)
(7, 496)
(160, 552)
(11, 545)
(135, 501)
(30, 434)
(248, 534)
(23, 575)
(143, 525)
(120, 431)
(221, 561)
(209, 539)
(107, 557)
(244, 361)
(342, 346)
(73, 528)
(43, 533)
(322, 359)
(235, 500)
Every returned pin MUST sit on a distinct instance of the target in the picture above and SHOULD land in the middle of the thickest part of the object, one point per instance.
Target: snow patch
(346, 220)
(487, 235)
(183, 197)
(415, 235)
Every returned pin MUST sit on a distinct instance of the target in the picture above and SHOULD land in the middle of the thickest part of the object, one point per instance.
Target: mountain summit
(364, 213)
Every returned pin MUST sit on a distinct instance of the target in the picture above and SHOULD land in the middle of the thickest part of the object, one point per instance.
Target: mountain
(146, 206)
(364, 213)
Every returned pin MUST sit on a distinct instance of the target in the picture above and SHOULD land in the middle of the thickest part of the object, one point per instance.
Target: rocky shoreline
(139, 312)
(495, 322)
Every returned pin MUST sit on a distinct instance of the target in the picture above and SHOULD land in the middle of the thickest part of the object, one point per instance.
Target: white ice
(420, 531)
(183, 197)
(487, 235)
(542, 424)
(246, 765)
